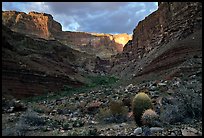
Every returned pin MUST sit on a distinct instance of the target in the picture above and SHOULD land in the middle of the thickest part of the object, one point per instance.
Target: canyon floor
(104, 109)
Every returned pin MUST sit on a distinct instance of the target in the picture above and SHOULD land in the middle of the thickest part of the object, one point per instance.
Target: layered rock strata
(163, 40)
(33, 66)
(44, 26)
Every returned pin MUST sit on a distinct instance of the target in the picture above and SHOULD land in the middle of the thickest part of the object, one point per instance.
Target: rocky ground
(106, 110)
(164, 61)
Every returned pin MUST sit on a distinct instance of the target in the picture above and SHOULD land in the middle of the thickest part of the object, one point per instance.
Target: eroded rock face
(44, 26)
(33, 67)
(33, 23)
(162, 41)
(102, 45)
(172, 21)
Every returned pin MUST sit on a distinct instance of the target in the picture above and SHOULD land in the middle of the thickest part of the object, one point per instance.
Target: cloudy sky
(99, 17)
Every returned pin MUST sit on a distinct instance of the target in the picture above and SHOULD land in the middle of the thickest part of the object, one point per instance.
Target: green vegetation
(117, 108)
(101, 81)
(116, 112)
(94, 82)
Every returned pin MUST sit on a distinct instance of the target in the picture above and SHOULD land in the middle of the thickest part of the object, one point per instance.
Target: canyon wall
(33, 66)
(165, 44)
(33, 23)
(44, 26)
(172, 21)
(174, 29)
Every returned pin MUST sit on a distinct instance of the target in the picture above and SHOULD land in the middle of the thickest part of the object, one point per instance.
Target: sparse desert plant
(78, 123)
(117, 108)
(21, 128)
(28, 121)
(113, 115)
(40, 108)
(173, 113)
(149, 118)
(32, 118)
(66, 125)
(140, 103)
(11, 131)
(93, 132)
(103, 113)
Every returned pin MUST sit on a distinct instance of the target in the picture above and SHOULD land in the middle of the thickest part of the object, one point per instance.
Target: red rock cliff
(162, 41)
(33, 23)
(172, 21)
(42, 25)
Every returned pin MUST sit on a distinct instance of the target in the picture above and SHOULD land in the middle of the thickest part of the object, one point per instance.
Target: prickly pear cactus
(140, 103)
(149, 118)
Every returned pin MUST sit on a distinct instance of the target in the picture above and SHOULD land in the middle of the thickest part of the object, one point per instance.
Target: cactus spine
(140, 103)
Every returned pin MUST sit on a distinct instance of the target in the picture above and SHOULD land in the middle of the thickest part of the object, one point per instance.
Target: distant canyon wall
(44, 26)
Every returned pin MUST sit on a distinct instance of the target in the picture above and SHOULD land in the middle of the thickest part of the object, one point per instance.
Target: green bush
(102, 80)
(66, 126)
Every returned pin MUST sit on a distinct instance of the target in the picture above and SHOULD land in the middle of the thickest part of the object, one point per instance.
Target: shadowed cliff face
(165, 44)
(42, 25)
(162, 42)
(33, 66)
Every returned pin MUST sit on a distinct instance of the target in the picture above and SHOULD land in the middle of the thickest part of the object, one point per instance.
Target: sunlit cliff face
(122, 38)
(44, 26)
(119, 38)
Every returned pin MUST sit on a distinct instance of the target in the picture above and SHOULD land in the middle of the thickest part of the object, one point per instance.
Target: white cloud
(102, 17)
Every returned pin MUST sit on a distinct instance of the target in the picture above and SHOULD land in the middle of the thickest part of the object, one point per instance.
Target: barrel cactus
(140, 103)
(149, 118)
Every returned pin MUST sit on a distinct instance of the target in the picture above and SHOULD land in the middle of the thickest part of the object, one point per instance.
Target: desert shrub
(84, 132)
(116, 112)
(187, 105)
(192, 102)
(171, 114)
(54, 123)
(9, 131)
(21, 128)
(28, 121)
(127, 101)
(32, 118)
(78, 123)
(71, 106)
(103, 113)
(117, 108)
(66, 125)
(41, 108)
(93, 132)
(101, 80)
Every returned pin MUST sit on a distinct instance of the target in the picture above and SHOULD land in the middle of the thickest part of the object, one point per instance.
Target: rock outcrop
(163, 40)
(33, 23)
(102, 45)
(172, 21)
(33, 66)
(44, 26)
